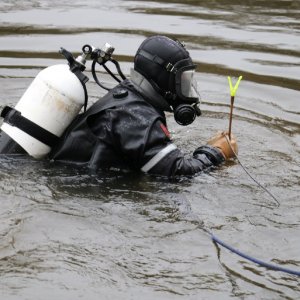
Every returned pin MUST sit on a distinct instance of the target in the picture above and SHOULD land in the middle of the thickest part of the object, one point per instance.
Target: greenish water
(68, 234)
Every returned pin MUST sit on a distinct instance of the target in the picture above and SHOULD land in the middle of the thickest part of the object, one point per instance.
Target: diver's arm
(162, 157)
(175, 163)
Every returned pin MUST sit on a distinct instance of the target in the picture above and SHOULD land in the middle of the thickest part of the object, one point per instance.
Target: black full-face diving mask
(187, 101)
(168, 67)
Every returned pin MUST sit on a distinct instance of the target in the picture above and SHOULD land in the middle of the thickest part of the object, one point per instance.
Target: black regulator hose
(95, 76)
(111, 73)
(77, 68)
(95, 61)
(118, 68)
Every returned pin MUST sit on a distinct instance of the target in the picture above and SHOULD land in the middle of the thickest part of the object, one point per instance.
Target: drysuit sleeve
(153, 152)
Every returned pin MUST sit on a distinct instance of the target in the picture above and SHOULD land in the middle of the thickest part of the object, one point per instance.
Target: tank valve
(100, 55)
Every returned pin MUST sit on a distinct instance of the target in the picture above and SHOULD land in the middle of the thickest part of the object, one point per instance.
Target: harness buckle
(171, 68)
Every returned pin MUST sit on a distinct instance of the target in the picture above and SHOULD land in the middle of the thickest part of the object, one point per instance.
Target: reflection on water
(69, 234)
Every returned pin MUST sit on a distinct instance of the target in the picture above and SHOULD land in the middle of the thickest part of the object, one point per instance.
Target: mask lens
(189, 87)
(186, 82)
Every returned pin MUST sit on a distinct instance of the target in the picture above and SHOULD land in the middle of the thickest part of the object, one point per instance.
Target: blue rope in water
(253, 259)
(238, 252)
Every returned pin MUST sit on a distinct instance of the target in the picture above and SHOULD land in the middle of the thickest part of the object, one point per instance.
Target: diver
(127, 129)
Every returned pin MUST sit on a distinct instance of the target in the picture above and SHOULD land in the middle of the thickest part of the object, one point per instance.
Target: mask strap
(158, 60)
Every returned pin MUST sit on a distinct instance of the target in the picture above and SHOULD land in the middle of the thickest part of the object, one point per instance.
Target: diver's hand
(229, 148)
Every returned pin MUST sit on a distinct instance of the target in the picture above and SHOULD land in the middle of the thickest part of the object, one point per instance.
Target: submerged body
(123, 130)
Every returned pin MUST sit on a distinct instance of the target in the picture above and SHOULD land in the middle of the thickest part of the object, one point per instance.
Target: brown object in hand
(228, 147)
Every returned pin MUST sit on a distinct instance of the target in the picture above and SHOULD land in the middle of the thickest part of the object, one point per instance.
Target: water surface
(69, 234)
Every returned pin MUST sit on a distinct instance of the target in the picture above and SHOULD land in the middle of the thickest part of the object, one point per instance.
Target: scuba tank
(47, 107)
(51, 102)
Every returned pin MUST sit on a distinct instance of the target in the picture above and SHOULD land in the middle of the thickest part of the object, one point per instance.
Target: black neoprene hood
(157, 59)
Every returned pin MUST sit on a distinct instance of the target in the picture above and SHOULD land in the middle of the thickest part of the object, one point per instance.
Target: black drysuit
(123, 130)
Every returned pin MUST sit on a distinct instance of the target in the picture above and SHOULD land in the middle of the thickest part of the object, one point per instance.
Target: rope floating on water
(218, 241)
(253, 259)
(248, 173)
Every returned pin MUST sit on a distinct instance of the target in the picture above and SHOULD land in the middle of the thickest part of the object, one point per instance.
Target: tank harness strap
(14, 118)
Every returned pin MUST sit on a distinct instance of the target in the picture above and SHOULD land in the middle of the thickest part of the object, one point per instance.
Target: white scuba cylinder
(52, 101)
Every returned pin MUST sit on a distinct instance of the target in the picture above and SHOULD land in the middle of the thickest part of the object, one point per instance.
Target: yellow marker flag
(234, 89)
(232, 94)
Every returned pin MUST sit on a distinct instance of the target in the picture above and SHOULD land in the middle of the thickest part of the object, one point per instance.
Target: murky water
(69, 234)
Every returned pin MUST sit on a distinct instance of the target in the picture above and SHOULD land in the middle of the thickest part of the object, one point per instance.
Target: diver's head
(167, 65)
